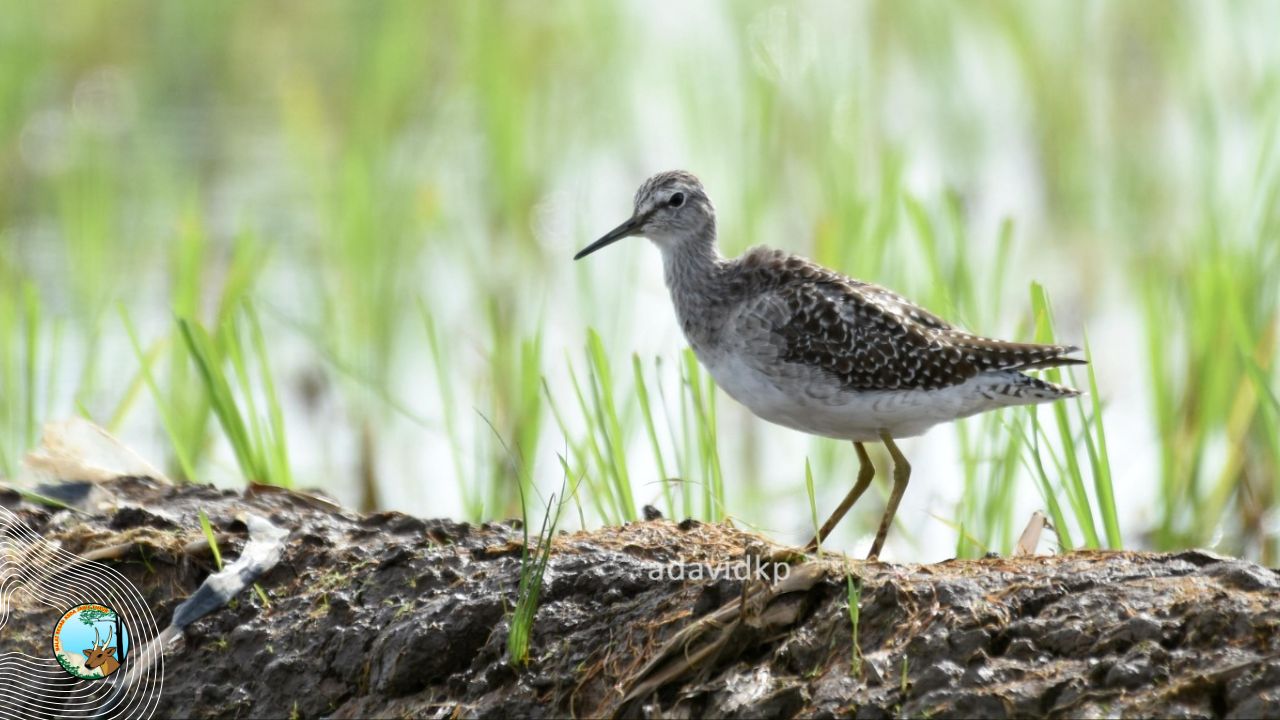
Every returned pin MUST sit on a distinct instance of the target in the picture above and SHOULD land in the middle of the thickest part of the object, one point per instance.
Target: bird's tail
(1011, 387)
(1057, 360)
(1037, 390)
(992, 355)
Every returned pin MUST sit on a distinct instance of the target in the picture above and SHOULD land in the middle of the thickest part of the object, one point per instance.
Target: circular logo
(90, 641)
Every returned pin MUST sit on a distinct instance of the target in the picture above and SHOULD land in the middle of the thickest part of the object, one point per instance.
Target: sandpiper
(811, 349)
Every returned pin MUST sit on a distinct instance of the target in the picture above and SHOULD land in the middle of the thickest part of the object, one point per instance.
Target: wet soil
(386, 615)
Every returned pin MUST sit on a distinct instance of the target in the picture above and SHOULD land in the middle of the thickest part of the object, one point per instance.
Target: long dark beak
(630, 227)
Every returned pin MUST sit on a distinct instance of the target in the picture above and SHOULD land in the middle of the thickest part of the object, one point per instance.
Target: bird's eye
(676, 200)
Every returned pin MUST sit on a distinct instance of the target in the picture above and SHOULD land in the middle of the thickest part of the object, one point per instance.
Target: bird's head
(671, 208)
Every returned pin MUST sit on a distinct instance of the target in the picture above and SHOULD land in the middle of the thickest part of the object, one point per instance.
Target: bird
(814, 350)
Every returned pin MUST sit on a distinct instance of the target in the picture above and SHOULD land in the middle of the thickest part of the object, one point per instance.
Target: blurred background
(328, 244)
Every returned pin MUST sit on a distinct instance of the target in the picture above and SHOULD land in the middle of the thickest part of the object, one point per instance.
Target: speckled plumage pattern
(867, 337)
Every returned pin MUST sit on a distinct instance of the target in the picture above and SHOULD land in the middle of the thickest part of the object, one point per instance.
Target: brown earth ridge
(387, 615)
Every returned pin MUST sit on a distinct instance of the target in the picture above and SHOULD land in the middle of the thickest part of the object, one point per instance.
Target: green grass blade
(646, 412)
(211, 537)
(206, 358)
(166, 413)
(277, 446)
(1036, 465)
(1102, 467)
(607, 414)
(600, 486)
(1074, 483)
(813, 502)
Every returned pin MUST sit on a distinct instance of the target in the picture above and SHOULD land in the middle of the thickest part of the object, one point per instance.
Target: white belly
(806, 400)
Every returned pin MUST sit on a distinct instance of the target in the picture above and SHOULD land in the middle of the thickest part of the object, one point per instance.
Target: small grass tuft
(813, 502)
(256, 433)
(1087, 433)
(533, 569)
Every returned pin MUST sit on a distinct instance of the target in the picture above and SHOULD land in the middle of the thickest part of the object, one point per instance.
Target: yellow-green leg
(866, 471)
(901, 474)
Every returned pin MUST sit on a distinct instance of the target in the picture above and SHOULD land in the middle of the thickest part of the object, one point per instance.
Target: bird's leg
(865, 472)
(901, 474)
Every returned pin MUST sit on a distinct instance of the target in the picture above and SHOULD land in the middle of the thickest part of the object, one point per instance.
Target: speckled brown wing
(870, 338)
(839, 329)
(763, 266)
(894, 302)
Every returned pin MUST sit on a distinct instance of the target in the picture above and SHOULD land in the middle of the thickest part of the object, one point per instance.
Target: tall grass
(243, 397)
(650, 428)
(1085, 432)
(1213, 377)
(21, 361)
(990, 452)
(397, 153)
(181, 396)
(606, 414)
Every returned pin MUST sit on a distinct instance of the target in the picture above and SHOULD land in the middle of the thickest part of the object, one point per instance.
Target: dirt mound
(388, 615)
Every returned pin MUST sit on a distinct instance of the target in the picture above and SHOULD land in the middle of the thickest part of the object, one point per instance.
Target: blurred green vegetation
(397, 188)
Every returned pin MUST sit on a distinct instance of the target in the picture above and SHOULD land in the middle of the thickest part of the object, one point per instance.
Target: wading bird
(814, 350)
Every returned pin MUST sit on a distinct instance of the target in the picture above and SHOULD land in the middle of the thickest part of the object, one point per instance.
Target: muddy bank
(390, 615)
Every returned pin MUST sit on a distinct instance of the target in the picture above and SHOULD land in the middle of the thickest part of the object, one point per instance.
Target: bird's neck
(691, 261)
(693, 269)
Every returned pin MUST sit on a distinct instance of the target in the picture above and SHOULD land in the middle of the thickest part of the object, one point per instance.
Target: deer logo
(105, 656)
(100, 655)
